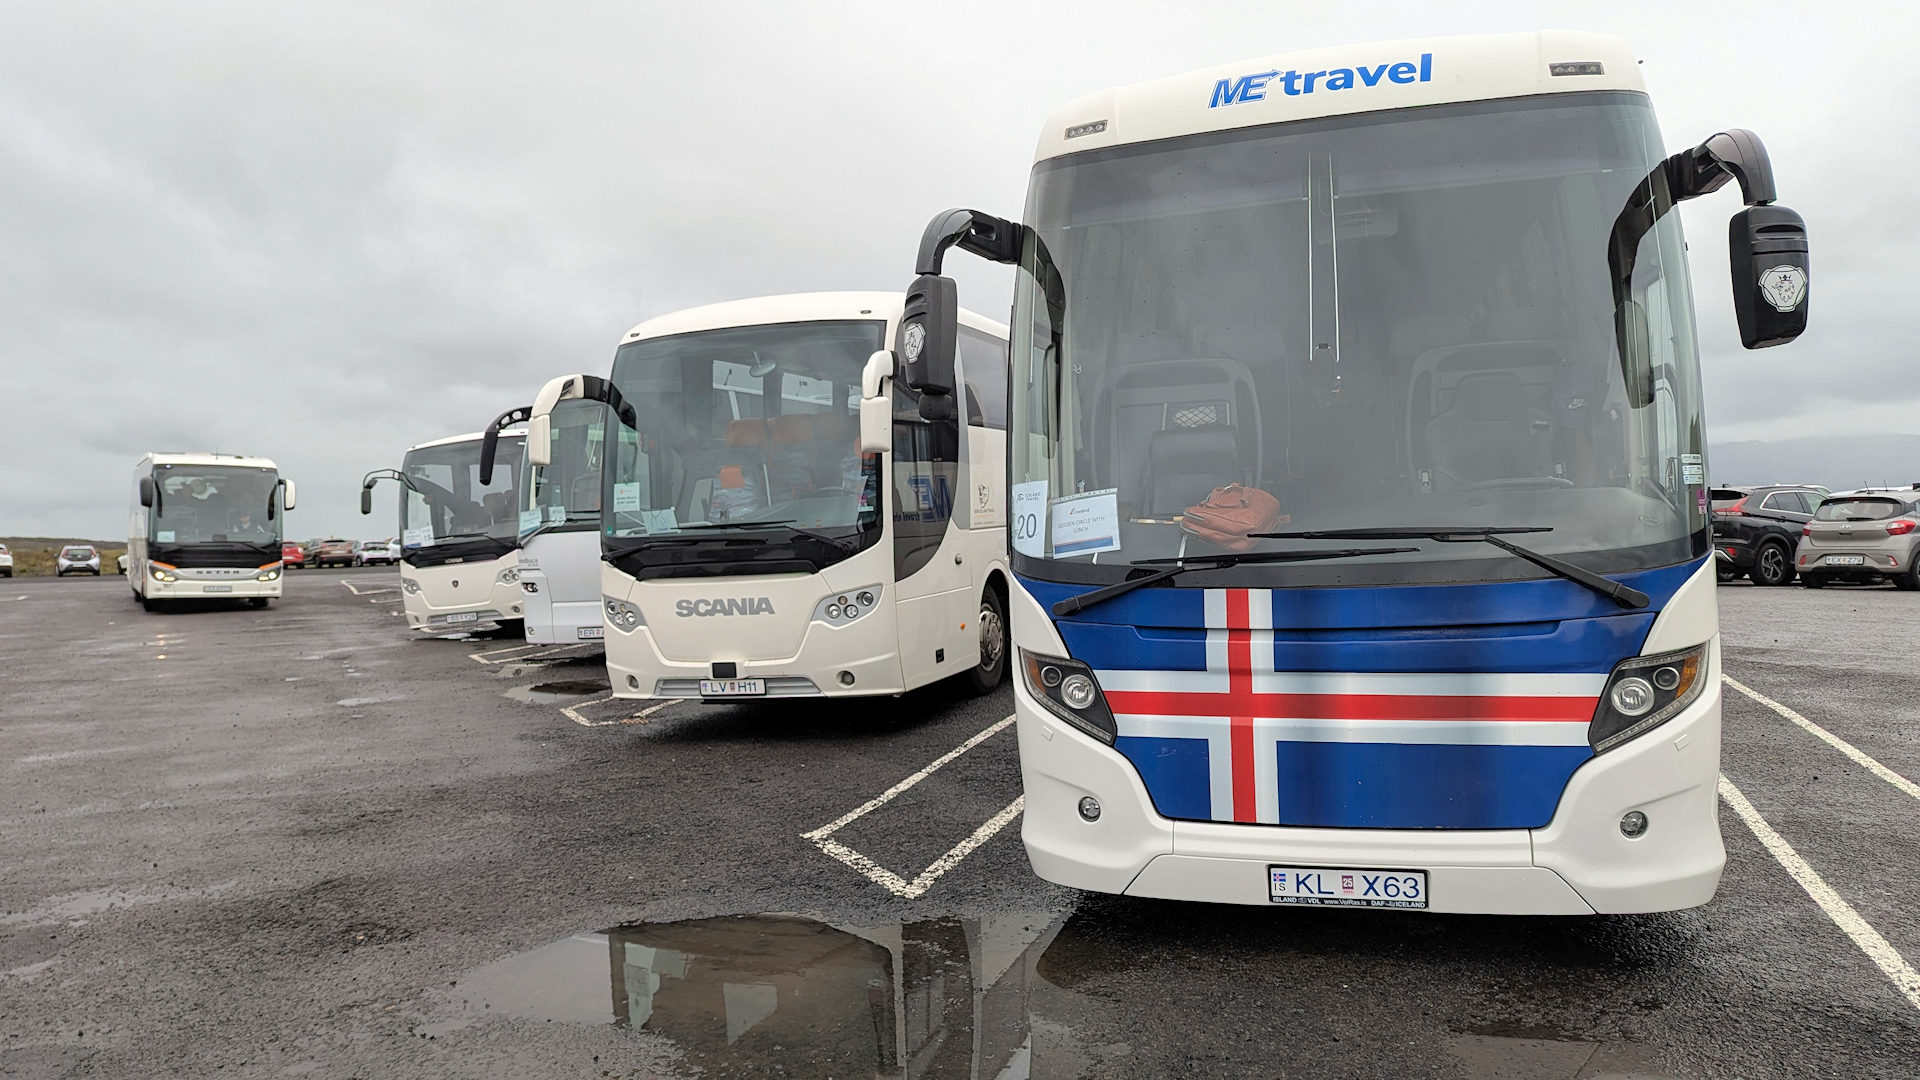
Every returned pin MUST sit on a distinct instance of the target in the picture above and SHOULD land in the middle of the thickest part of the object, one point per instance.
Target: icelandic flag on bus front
(1240, 740)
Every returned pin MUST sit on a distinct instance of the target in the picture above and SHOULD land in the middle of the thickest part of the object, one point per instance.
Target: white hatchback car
(6, 561)
(77, 559)
(384, 552)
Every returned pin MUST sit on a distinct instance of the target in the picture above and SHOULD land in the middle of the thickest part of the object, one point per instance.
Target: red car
(293, 556)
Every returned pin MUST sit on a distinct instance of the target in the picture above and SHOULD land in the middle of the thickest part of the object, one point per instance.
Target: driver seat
(1489, 431)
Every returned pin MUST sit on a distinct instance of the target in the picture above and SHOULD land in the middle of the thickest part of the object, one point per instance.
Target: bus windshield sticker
(556, 515)
(164, 536)
(420, 537)
(1086, 524)
(626, 498)
(1029, 515)
(530, 520)
(659, 521)
(1693, 474)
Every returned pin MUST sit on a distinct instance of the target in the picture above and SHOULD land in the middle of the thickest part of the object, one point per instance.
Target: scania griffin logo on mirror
(1784, 286)
(750, 605)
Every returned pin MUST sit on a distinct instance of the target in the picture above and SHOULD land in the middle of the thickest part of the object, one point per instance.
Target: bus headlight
(410, 585)
(621, 615)
(162, 572)
(1068, 689)
(1644, 693)
(269, 572)
(509, 576)
(843, 607)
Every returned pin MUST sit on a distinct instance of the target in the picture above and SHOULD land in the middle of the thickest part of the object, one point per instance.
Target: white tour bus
(1362, 541)
(559, 526)
(750, 546)
(458, 536)
(206, 526)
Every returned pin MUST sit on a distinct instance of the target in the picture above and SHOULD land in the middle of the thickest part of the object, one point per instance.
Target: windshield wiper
(467, 536)
(1624, 595)
(1083, 601)
(731, 525)
(784, 523)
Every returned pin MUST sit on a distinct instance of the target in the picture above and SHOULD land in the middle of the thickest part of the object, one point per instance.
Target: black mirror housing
(1767, 256)
(146, 492)
(929, 327)
(366, 500)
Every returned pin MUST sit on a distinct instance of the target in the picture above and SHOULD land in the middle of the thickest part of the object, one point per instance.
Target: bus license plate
(1846, 560)
(732, 687)
(1346, 886)
(593, 632)
(465, 616)
(217, 588)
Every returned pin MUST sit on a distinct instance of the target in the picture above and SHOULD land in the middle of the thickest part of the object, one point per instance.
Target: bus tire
(258, 601)
(991, 670)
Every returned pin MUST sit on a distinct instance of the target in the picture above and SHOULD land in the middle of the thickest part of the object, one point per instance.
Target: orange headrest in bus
(831, 427)
(747, 432)
(731, 476)
(793, 428)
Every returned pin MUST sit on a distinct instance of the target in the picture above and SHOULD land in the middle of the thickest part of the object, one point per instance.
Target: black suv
(1755, 530)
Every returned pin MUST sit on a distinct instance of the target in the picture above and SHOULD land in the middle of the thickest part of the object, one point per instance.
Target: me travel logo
(1256, 87)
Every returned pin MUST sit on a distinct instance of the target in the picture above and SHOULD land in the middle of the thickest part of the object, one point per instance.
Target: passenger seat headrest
(1496, 396)
(748, 432)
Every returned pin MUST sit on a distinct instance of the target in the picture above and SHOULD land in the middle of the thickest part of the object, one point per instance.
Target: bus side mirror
(1767, 255)
(366, 500)
(929, 324)
(146, 492)
(286, 496)
(876, 407)
(540, 440)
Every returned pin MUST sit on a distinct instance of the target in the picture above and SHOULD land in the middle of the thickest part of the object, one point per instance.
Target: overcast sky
(322, 232)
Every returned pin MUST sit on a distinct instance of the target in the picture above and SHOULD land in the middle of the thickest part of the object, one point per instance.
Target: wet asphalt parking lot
(305, 841)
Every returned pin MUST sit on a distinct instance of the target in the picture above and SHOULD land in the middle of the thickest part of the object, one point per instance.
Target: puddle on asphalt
(1000, 997)
(765, 995)
(553, 693)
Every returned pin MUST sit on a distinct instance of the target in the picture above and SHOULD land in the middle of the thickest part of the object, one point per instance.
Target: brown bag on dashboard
(1230, 513)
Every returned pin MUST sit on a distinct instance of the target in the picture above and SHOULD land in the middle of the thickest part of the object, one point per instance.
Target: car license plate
(465, 616)
(216, 588)
(732, 687)
(1846, 560)
(1346, 886)
(590, 632)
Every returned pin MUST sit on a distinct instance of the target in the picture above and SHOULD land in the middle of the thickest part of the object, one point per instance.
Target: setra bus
(1358, 479)
(206, 526)
(458, 534)
(779, 516)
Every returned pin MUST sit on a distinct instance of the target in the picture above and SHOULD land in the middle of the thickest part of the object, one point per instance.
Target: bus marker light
(1089, 808)
(1633, 825)
(846, 678)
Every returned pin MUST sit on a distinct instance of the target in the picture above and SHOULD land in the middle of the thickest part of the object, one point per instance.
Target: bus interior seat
(789, 454)
(741, 462)
(1168, 396)
(1437, 375)
(1489, 431)
(1184, 465)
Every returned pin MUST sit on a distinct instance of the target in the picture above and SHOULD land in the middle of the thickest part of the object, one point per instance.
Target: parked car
(1869, 537)
(293, 556)
(77, 559)
(6, 561)
(335, 552)
(121, 561)
(383, 552)
(1755, 530)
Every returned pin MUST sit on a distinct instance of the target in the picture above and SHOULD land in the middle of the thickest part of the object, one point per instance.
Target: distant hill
(1839, 462)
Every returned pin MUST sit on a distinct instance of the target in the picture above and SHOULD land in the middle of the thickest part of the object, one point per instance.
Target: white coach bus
(206, 526)
(559, 525)
(458, 536)
(1357, 438)
(780, 519)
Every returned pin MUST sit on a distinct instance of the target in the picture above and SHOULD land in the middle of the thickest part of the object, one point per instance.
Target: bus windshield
(445, 512)
(746, 431)
(214, 504)
(564, 495)
(1404, 318)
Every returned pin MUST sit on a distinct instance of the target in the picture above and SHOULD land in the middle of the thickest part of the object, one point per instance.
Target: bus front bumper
(1579, 863)
(223, 589)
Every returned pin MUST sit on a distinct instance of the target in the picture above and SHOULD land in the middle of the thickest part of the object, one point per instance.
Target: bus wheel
(988, 674)
(258, 601)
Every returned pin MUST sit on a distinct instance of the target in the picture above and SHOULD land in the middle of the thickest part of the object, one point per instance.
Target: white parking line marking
(637, 718)
(1884, 955)
(1859, 756)
(887, 879)
(358, 591)
(530, 653)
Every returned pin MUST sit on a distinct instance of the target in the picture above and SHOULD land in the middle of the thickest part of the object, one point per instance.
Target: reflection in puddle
(762, 995)
(549, 693)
